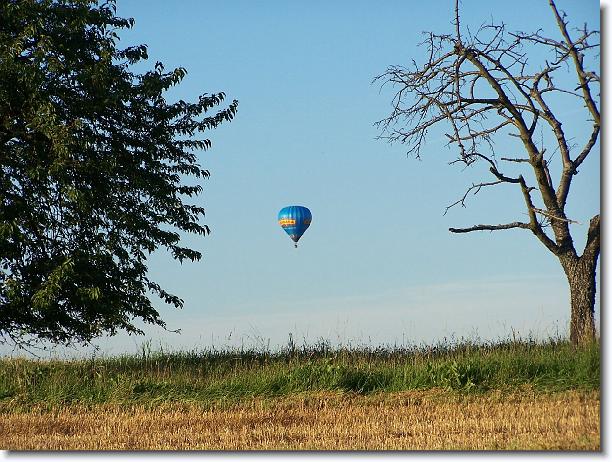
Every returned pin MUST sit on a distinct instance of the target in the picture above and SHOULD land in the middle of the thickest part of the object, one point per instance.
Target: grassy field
(513, 395)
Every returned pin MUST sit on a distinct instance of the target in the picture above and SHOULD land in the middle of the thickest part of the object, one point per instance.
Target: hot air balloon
(294, 219)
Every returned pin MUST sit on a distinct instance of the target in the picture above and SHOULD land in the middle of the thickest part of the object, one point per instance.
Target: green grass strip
(213, 375)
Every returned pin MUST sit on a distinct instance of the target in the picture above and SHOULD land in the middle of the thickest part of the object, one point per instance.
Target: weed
(213, 375)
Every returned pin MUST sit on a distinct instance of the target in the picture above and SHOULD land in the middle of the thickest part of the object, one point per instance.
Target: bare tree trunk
(580, 272)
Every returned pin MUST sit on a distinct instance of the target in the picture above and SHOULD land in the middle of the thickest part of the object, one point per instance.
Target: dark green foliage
(92, 167)
(234, 375)
(330, 374)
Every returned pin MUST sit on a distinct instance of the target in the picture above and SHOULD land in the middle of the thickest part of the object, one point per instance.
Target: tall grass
(218, 375)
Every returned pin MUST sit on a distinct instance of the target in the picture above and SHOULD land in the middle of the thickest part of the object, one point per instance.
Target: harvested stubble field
(512, 396)
(414, 420)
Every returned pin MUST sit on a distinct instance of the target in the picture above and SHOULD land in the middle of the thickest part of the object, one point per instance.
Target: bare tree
(483, 88)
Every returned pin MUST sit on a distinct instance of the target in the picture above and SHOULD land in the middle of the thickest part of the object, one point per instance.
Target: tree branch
(578, 63)
(515, 160)
(534, 225)
(477, 187)
(516, 224)
(552, 217)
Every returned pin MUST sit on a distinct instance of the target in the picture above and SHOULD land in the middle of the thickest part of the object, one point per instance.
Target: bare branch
(588, 147)
(481, 133)
(552, 217)
(578, 63)
(457, 28)
(507, 159)
(476, 187)
(516, 224)
(549, 117)
(534, 225)
(502, 177)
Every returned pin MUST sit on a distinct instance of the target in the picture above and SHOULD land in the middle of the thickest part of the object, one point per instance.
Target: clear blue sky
(378, 265)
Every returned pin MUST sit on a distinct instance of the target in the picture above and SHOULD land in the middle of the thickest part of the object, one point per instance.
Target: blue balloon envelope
(294, 219)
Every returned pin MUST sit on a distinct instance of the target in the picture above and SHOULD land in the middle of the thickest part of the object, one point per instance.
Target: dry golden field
(415, 420)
